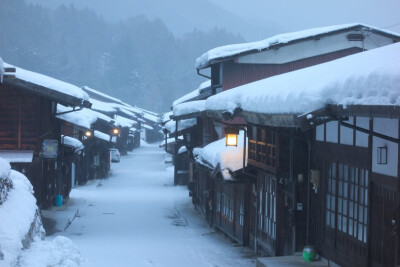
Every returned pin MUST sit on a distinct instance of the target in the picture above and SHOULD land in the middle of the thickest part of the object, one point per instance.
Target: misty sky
(295, 15)
(253, 19)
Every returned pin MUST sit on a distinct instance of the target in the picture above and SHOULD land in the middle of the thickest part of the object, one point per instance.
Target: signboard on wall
(96, 160)
(50, 149)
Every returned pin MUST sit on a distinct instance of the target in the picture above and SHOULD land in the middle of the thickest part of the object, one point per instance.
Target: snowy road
(138, 218)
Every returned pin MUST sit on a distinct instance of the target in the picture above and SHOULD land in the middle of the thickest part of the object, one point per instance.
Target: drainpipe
(308, 191)
(294, 200)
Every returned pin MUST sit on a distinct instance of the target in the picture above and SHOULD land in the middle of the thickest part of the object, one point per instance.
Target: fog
(144, 51)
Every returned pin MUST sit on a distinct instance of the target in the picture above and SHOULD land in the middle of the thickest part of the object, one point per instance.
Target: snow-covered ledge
(1, 70)
(229, 159)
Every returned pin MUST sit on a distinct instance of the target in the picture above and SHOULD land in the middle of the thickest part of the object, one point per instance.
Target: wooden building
(30, 129)
(325, 155)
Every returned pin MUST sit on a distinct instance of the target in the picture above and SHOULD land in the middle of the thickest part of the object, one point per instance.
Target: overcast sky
(295, 15)
(253, 19)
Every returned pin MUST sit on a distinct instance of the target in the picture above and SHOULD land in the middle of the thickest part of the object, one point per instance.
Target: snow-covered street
(138, 218)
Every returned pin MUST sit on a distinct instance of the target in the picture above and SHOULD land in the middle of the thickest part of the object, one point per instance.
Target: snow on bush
(21, 232)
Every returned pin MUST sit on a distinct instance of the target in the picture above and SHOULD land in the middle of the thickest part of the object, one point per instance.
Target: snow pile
(1, 70)
(49, 82)
(368, 78)
(192, 94)
(235, 49)
(20, 221)
(229, 159)
(59, 251)
(73, 142)
(189, 107)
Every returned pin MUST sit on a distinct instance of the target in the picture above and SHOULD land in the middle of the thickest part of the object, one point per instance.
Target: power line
(390, 26)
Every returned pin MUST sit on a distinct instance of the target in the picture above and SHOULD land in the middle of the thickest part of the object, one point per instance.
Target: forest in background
(138, 60)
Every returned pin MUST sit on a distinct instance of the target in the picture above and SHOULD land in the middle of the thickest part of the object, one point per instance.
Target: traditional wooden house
(277, 153)
(87, 163)
(30, 134)
(126, 120)
(325, 152)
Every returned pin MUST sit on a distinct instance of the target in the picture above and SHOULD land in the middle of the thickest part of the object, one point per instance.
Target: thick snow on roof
(148, 127)
(166, 116)
(189, 107)
(123, 122)
(103, 106)
(367, 78)
(229, 158)
(73, 142)
(103, 95)
(182, 125)
(101, 135)
(192, 94)
(83, 118)
(232, 50)
(49, 82)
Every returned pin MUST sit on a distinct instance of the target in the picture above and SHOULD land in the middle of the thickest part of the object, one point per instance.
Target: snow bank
(192, 94)
(368, 78)
(189, 107)
(49, 82)
(59, 251)
(19, 223)
(231, 50)
(229, 158)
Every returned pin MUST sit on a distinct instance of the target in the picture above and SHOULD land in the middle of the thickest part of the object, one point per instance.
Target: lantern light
(88, 133)
(231, 136)
(115, 131)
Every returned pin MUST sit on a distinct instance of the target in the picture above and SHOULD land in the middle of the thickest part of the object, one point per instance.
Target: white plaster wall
(346, 134)
(332, 132)
(362, 138)
(319, 132)
(312, 48)
(388, 127)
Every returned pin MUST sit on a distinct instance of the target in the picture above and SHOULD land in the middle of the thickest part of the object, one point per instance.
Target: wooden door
(384, 217)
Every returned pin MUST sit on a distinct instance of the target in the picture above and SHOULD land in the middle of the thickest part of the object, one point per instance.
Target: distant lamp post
(115, 131)
(231, 136)
(88, 133)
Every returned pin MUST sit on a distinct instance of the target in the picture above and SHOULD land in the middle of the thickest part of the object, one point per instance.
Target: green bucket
(309, 253)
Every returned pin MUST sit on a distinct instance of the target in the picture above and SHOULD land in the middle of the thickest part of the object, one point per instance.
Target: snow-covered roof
(103, 106)
(230, 159)
(123, 122)
(101, 135)
(64, 88)
(192, 94)
(148, 115)
(83, 118)
(189, 107)
(166, 116)
(1, 69)
(148, 127)
(367, 78)
(220, 53)
(182, 125)
(73, 142)
(17, 156)
(101, 96)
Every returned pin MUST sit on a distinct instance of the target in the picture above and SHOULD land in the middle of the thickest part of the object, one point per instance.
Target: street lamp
(231, 136)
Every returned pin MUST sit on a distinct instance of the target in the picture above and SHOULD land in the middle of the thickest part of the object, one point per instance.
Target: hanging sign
(50, 148)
